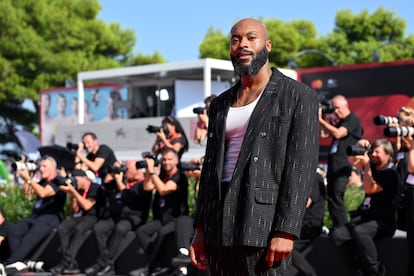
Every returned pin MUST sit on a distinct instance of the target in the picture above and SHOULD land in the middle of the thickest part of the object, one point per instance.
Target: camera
(394, 131)
(385, 120)
(117, 170)
(155, 129)
(190, 167)
(356, 150)
(198, 110)
(62, 181)
(72, 146)
(142, 163)
(327, 107)
(18, 166)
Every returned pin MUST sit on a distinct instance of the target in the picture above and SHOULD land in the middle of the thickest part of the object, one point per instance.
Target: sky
(176, 28)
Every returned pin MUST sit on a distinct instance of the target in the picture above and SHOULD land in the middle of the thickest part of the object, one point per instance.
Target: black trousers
(243, 261)
(336, 206)
(151, 236)
(25, 235)
(184, 231)
(109, 236)
(357, 244)
(299, 260)
(72, 235)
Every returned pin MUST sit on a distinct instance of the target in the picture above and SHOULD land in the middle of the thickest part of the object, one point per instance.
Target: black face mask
(254, 67)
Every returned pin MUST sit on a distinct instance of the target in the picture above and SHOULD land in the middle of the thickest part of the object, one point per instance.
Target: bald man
(261, 155)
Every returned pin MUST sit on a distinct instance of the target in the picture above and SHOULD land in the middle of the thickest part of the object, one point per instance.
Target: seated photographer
(47, 211)
(377, 217)
(170, 202)
(200, 133)
(407, 204)
(113, 184)
(170, 135)
(99, 157)
(85, 205)
(135, 208)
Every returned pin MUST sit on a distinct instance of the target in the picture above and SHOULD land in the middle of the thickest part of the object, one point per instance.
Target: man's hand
(280, 247)
(197, 250)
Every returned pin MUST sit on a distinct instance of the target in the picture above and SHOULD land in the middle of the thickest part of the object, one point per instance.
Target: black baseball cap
(78, 172)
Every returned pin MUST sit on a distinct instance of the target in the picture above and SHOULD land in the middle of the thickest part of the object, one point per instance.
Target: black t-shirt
(382, 205)
(96, 193)
(108, 155)
(113, 200)
(136, 201)
(313, 219)
(52, 204)
(175, 204)
(3, 228)
(338, 158)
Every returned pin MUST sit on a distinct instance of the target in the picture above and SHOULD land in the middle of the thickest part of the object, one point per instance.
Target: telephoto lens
(355, 150)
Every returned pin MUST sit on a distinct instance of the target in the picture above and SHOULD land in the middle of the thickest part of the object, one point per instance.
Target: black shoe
(93, 270)
(143, 271)
(180, 259)
(160, 271)
(71, 270)
(57, 270)
(107, 270)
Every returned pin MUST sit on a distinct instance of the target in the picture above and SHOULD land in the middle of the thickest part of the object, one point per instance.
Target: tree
(142, 59)
(354, 39)
(43, 43)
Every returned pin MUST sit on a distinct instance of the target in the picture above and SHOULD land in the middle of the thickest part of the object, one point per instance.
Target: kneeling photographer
(85, 205)
(171, 134)
(379, 217)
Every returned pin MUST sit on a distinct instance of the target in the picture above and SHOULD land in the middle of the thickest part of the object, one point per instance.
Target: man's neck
(262, 76)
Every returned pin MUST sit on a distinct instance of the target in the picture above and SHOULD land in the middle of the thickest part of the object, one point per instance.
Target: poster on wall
(59, 106)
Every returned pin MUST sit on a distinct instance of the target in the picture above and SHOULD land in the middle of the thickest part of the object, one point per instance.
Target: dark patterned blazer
(274, 170)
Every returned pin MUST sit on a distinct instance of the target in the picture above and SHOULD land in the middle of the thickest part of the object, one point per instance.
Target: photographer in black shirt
(47, 211)
(85, 205)
(345, 132)
(135, 202)
(98, 159)
(377, 215)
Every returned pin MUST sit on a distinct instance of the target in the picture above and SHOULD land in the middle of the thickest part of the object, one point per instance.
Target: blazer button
(262, 134)
(211, 135)
(255, 159)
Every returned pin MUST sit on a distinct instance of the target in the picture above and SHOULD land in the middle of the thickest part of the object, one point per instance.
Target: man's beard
(254, 67)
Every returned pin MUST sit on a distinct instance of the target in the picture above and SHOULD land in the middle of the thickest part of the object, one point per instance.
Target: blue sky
(176, 28)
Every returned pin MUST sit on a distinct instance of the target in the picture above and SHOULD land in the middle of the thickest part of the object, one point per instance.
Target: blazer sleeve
(302, 154)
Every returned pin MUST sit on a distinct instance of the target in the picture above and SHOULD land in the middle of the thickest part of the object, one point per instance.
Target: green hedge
(16, 205)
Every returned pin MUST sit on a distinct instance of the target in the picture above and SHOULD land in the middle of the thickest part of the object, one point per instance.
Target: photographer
(377, 217)
(98, 159)
(408, 204)
(47, 211)
(135, 208)
(345, 133)
(174, 137)
(170, 202)
(85, 205)
(200, 133)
